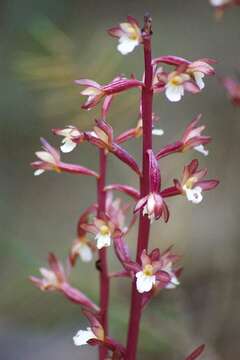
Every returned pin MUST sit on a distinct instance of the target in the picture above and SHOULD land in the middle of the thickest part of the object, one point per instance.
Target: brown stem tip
(147, 28)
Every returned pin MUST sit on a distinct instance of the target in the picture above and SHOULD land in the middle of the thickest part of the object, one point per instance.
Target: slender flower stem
(103, 266)
(144, 223)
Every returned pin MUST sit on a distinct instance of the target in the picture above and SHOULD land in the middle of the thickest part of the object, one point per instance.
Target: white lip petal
(82, 337)
(200, 148)
(91, 91)
(85, 253)
(38, 172)
(194, 195)
(144, 283)
(103, 241)
(158, 132)
(219, 2)
(48, 275)
(45, 156)
(126, 45)
(68, 145)
(199, 79)
(174, 93)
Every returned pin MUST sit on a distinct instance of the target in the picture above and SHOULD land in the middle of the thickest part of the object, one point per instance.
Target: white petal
(45, 156)
(194, 195)
(91, 91)
(126, 45)
(103, 240)
(158, 132)
(48, 275)
(174, 92)
(85, 253)
(38, 172)
(201, 149)
(68, 145)
(219, 2)
(198, 75)
(174, 282)
(83, 336)
(144, 283)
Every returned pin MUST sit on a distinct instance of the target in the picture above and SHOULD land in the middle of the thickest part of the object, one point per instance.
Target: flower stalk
(102, 263)
(144, 222)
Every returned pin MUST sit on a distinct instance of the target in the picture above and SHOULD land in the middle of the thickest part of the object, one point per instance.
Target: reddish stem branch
(103, 266)
(144, 224)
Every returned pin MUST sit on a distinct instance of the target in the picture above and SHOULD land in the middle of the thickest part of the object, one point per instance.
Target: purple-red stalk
(103, 265)
(144, 223)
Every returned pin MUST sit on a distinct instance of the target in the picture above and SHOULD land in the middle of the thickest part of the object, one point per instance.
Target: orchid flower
(192, 185)
(49, 160)
(192, 139)
(153, 204)
(128, 34)
(96, 92)
(71, 137)
(187, 76)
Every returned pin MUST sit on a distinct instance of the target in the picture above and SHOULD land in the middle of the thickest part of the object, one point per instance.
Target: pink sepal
(196, 353)
(77, 297)
(171, 60)
(125, 157)
(170, 149)
(77, 169)
(125, 189)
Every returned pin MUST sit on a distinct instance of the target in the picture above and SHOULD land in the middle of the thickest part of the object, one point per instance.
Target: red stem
(144, 223)
(103, 266)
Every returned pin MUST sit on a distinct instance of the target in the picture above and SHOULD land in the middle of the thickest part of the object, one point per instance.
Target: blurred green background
(47, 44)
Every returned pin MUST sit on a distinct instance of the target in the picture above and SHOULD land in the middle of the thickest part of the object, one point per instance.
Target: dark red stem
(103, 266)
(144, 224)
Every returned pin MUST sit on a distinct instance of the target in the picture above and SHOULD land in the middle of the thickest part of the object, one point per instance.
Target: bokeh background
(44, 46)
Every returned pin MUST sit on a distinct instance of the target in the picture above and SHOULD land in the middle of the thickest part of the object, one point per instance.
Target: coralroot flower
(50, 160)
(233, 89)
(53, 278)
(192, 184)
(71, 137)
(156, 269)
(187, 76)
(83, 336)
(192, 139)
(102, 230)
(96, 92)
(129, 35)
(83, 248)
(153, 204)
(94, 333)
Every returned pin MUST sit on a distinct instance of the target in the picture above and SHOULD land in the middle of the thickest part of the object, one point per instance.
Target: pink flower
(94, 335)
(129, 35)
(192, 184)
(233, 89)
(102, 137)
(71, 137)
(187, 76)
(112, 222)
(55, 279)
(153, 204)
(96, 92)
(192, 139)
(49, 160)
